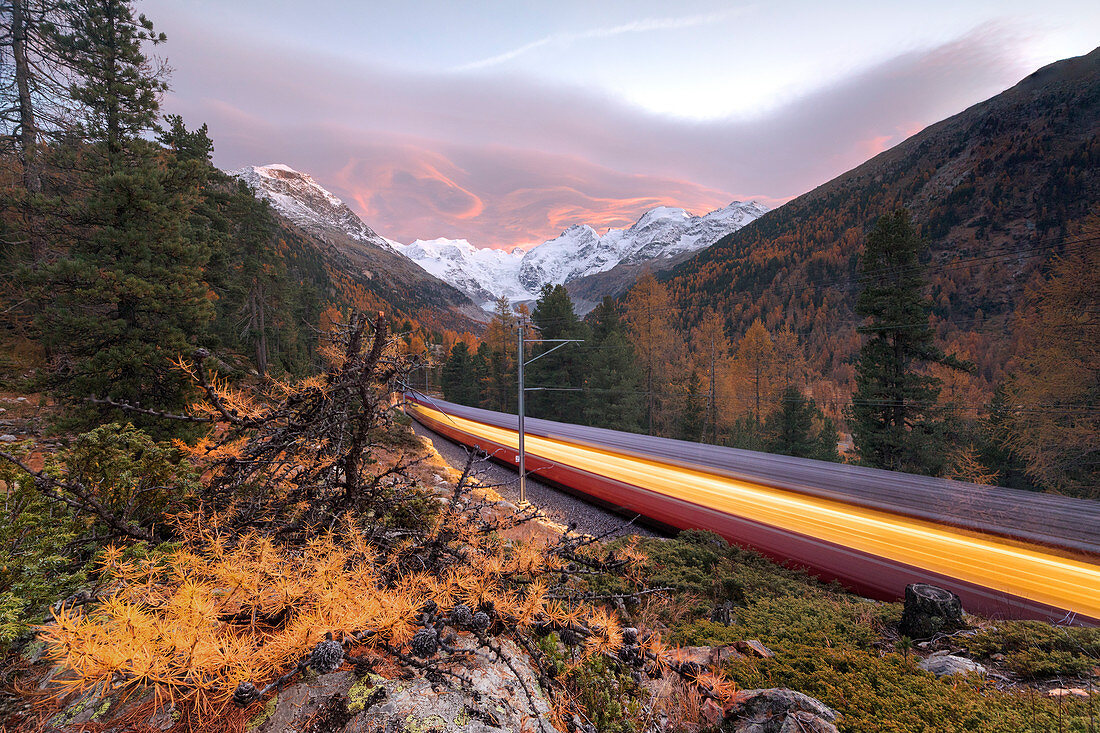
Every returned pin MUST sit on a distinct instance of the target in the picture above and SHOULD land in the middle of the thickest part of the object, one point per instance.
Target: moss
(267, 712)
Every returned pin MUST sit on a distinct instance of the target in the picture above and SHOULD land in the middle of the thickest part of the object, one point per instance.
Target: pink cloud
(503, 161)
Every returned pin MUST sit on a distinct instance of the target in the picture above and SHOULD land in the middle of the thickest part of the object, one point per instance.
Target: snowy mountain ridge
(659, 234)
(307, 203)
(485, 275)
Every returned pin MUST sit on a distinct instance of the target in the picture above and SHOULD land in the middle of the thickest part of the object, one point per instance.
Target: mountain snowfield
(307, 203)
(485, 275)
(661, 233)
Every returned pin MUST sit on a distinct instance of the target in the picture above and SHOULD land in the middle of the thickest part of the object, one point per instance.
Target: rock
(342, 703)
(929, 610)
(942, 665)
(8, 438)
(779, 710)
(705, 656)
(754, 648)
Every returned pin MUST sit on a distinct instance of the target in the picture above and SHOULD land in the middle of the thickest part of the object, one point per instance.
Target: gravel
(556, 504)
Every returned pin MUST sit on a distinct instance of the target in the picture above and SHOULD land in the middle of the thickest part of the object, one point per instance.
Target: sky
(506, 122)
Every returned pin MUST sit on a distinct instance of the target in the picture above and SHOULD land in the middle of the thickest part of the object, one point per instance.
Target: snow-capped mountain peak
(659, 235)
(482, 274)
(304, 201)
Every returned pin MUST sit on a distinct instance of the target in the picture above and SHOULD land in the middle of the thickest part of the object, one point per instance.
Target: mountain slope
(354, 248)
(659, 239)
(997, 189)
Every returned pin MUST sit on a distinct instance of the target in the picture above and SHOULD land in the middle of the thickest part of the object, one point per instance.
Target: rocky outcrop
(492, 698)
(779, 710)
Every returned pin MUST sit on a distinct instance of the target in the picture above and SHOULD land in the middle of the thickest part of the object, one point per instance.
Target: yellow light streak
(1019, 569)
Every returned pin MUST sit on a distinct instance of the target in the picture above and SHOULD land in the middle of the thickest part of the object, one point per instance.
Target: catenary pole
(522, 391)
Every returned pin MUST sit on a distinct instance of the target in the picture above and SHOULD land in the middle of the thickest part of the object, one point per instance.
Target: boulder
(779, 710)
(753, 648)
(929, 610)
(495, 701)
(942, 665)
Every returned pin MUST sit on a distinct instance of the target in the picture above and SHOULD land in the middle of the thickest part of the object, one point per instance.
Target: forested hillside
(998, 192)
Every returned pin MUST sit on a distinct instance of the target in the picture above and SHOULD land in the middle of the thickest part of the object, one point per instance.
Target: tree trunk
(28, 131)
(929, 610)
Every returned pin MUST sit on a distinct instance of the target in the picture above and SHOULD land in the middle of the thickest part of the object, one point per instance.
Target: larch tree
(756, 357)
(711, 352)
(790, 358)
(1051, 411)
(500, 354)
(655, 343)
(893, 412)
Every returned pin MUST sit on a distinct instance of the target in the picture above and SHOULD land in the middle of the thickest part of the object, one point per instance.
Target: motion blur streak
(1015, 568)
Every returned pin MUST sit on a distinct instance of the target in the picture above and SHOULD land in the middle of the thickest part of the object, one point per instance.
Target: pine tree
(692, 422)
(129, 296)
(800, 429)
(118, 86)
(555, 319)
(613, 378)
(460, 376)
(186, 144)
(893, 412)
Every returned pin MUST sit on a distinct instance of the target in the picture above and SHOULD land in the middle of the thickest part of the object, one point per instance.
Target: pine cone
(570, 637)
(630, 636)
(430, 608)
(425, 642)
(480, 620)
(245, 694)
(461, 616)
(327, 656)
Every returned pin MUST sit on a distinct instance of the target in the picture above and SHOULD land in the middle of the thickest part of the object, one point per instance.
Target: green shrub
(1033, 649)
(46, 547)
(889, 694)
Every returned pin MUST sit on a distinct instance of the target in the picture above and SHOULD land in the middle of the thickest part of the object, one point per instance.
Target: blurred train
(1006, 553)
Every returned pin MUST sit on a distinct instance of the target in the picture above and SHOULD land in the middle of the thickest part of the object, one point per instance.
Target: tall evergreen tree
(554, 318)
(118, 86)
(460, 376)
(613, 379)
(800, 429)
(129, 296)
(893, 412)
